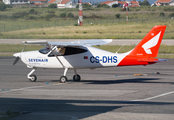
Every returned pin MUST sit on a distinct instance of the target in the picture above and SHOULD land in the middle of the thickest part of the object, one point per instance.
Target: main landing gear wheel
(63, 79)
(33, 78)
(76, 78)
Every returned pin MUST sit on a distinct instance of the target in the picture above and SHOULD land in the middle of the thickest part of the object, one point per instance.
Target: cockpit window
(74, 50)
(44, 50)
(67, 51)
(58, 52)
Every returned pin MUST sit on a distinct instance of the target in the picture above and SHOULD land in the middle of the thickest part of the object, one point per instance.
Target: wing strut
(57, 56)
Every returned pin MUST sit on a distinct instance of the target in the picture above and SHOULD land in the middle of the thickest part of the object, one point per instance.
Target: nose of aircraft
(16, 54)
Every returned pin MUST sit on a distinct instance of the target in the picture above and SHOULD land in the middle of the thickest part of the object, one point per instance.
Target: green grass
(12, 48)
(47, 17)
(104, 31)
(9, 49)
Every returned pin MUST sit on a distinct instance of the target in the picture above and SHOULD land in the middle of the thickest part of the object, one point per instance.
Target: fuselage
(91, 58)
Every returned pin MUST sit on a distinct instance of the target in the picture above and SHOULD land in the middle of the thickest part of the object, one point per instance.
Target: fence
(5, 28)
(25, 25)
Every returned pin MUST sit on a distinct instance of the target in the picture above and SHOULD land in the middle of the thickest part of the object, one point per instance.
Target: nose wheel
(63, 79)
(33, 78)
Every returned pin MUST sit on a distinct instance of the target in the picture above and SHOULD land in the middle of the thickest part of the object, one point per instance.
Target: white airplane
(81, 55)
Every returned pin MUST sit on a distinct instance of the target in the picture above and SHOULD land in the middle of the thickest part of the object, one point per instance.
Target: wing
(40, 42)
(73, 43)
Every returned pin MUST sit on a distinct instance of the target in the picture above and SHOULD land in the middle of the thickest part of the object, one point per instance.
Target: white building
(38, 2)
(25, 1)
(54, 1)
(65, 4)
(16, 1)
(164, 2)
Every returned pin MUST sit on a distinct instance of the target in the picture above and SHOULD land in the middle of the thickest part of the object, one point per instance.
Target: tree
(52, 5)
(162, 14)
(62, 15)
(70, 15)
(102, 5)
(2, 6)
(114, 5)
(146, 3)
(31, 11)
(117, 15)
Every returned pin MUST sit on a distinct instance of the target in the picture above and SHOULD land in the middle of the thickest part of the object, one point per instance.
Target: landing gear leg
(31, 76)
(63, 78)
(76, 77)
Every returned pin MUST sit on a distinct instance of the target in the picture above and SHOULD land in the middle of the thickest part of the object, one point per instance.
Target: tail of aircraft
(146, 51)
(150, 44)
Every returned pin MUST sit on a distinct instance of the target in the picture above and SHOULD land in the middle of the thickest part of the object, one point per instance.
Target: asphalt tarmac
(103, 94)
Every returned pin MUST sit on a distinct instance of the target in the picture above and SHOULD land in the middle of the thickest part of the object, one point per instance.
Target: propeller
(18, 56)
(16, 60)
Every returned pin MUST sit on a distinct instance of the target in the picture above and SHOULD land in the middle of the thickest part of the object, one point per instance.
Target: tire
(76, 78)
(63, 79)
(33, 78)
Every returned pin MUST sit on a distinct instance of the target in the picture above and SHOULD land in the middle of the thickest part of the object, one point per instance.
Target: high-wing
(74, 43)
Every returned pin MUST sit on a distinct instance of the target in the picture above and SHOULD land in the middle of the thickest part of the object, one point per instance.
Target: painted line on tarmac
(13, 90)
(150, 98)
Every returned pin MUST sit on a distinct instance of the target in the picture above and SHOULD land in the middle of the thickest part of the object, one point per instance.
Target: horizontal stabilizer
(162, 60)
(152, 60)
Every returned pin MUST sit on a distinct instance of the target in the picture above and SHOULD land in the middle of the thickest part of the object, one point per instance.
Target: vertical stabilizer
(146, 51)
(150, 44)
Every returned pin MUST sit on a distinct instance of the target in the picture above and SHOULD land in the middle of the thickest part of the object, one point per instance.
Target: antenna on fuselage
(120, 48)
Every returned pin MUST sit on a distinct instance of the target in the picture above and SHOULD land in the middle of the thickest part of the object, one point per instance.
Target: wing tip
(107, 40)
(35, 42)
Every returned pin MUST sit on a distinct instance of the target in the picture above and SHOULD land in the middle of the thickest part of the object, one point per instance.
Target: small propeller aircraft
(81, 55)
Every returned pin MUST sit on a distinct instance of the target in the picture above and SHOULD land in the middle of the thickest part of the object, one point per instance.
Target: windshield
(44, 50)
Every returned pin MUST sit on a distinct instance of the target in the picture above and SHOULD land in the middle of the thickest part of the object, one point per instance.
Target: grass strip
(104, 31)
